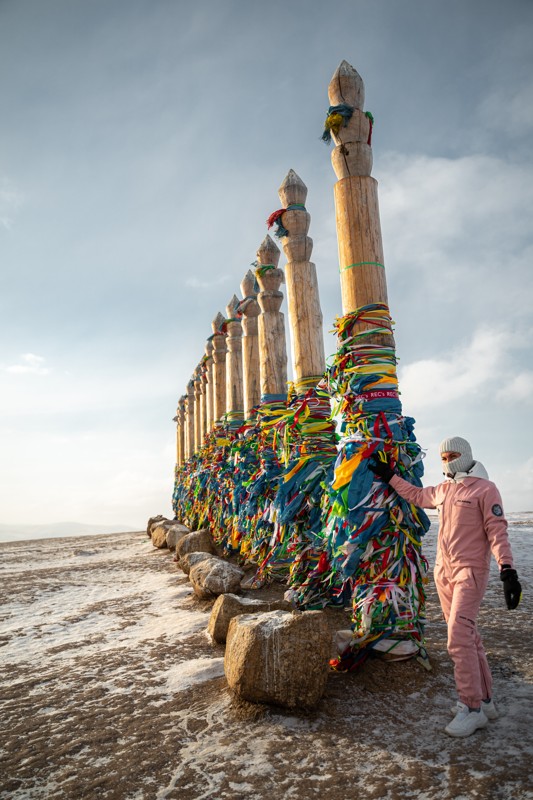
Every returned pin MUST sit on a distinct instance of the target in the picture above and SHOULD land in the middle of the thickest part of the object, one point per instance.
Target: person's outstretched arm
(427, 497)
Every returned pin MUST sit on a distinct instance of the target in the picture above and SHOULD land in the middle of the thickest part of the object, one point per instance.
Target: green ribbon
(363, 264)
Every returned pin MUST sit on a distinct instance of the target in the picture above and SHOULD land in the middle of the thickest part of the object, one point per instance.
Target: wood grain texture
(190, 419)
(250, 344)
(303, 300)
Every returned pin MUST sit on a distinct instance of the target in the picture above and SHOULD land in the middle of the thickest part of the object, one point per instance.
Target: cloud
(31, 365)
(471, 205)
(520, 388)
(487, 367)
(11, 199)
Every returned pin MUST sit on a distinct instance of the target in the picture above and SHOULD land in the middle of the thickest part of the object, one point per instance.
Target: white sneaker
(489, 709)
(466, 722)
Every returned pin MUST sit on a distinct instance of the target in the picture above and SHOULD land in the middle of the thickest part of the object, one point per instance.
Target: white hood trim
(477, 471)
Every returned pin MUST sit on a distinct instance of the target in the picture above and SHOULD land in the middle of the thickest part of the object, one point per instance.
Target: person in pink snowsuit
(472, 525)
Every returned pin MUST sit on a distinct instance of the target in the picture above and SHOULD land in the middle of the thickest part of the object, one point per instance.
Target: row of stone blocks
(274, 654)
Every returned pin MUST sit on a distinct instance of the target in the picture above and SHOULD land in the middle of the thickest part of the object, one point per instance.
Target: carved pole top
(231, 308)
(249, 285)
(268, 253)
(249, 307)
(218, 323)
(293, 190)
(346, 86)
(209, 348)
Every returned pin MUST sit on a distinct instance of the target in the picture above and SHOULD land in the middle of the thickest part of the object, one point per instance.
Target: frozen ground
(111, 689)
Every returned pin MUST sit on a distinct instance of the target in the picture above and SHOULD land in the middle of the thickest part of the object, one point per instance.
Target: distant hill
(15, 533)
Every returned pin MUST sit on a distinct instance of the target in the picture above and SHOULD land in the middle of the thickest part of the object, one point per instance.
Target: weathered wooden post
(273, 383)
(361, 262)
(374, 537)
(190, 419)
(309, 434)
(209, 389)
(271, 324)
(203, 400)
(249, 308)
(176, 419)
(197, 378)
(181, 430)
(179, 420)
(234, 377)
(303, 301)
(219, 370)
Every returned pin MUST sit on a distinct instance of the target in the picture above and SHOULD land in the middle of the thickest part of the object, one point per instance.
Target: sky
(142, 144)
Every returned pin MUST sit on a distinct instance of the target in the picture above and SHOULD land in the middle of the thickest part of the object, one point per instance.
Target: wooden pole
(249, 308)
(271, 324)
(234, 387)
(190, 419)
(303, 301)
(203, 402)
(181, 430)
(219, 370)
(361, 260)
(197, 407)
(209, 394)
(176, 419)
(365, 383)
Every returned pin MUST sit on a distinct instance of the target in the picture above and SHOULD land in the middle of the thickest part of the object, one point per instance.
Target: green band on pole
(363, 264)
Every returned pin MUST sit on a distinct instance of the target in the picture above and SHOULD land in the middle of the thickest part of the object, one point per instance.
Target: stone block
(159, 535)
(279, 657)
(153, 521)
(187, 562)
(196, 542)
(214, 576)
(175, 532)
(228, 606)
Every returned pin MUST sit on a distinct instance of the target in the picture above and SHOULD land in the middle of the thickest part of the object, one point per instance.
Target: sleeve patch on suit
(497, 510)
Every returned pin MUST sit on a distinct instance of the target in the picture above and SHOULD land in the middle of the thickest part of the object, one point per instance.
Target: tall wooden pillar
(219, 369)
(361, 260)
(271, 324)
(176, 419)
(181, 430)
(388, 595)
(203, 401)
(209, 393)
(197, 407)
(249, 308)
(234, 388)
(303, 301)
(190, 419)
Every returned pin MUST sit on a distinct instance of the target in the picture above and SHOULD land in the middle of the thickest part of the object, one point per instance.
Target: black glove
(511, 586)
(381, 468)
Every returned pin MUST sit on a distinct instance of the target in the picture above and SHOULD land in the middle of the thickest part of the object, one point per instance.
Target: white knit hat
(456, 444)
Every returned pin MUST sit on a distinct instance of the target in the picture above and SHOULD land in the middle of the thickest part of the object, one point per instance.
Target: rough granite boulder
(279, 657)
(175, 533)
(159, 534)
(187, 562)
(154, 520)
(215, 576)
(196, 542)
(228, 606)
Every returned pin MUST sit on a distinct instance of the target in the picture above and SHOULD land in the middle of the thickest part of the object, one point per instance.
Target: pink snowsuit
(471, 525)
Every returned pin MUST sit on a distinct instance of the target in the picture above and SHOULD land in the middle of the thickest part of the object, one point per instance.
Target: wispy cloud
(30, 364)
(11, 200)
(486, 366)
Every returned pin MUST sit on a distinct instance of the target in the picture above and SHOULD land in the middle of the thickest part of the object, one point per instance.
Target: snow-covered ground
(111, 689)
